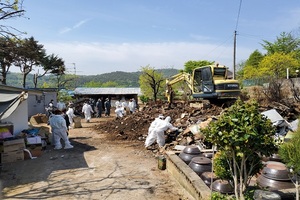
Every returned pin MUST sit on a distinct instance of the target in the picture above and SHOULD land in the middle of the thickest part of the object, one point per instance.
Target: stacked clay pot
(189, 152)
(275, 176)
(200, 164)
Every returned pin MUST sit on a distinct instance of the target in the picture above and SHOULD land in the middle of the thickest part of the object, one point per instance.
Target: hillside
(124, 79)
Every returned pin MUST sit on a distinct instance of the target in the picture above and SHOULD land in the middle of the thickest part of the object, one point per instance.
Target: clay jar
(222, 186)
(271, 184)
(275, 176)
(188, 153)
(276, 171)
(208, 155)
(200, 164)
(208, 178)
(275, 157)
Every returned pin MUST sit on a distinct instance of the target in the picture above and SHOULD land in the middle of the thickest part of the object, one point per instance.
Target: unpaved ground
(97, 168)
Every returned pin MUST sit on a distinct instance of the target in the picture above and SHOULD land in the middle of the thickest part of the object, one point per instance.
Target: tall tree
(59, 73)
(190, 65)
(252, 64)
(51, 64)
(254, 58)
(151, 82)
(29, 54)
(285, 43)
(7, 49)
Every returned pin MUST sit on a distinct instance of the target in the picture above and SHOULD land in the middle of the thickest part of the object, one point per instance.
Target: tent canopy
(9, 102)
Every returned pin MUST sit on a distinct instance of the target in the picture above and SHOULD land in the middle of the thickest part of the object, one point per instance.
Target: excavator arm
(183, 76)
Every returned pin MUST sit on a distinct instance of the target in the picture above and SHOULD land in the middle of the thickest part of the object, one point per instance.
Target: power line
(238, 16)
(234, 40)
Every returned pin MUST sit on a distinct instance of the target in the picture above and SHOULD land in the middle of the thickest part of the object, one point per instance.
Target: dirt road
(96, 168)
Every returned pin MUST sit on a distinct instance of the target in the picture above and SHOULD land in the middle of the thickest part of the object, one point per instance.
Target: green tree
(64, 96)
(251, 66)
(151, 82)
(254, 59)
(286, 43)
(290, 154)
(236, 133)
(276, 65)
(51, 64)
(189, 66)
(61, 79)
(92, 84)
(110, 84)
(7, 55)
(29, 54)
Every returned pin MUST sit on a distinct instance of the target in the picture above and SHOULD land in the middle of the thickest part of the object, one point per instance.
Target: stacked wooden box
(12, 150)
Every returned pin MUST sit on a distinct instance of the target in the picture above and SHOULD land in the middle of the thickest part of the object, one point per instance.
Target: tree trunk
(235, 179)
(24, 80)
(3, 81)
(297, 187)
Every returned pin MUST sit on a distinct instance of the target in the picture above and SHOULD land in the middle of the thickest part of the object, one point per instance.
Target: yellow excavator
(207, 82)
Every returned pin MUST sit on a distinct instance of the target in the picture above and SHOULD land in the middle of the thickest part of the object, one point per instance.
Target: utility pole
(74, 75)
(234, 54)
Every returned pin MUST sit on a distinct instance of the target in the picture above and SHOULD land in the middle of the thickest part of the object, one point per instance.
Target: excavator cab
(203, 81)
(211, 82)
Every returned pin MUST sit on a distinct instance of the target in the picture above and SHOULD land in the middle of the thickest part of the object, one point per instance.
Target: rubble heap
(188, 117)
(135, 126)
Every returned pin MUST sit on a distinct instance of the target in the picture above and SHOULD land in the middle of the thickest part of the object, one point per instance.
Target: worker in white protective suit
(120, 111)
(160, 129)
(87, 110)
(71, 115)
(152, 136)
(59, 130)
(132, 105)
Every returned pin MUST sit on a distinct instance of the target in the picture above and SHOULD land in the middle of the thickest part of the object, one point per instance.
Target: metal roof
(112, 90)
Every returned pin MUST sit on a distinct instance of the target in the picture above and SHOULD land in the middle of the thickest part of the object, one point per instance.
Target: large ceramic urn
(200, 164)
(189, 152)
(275, 176)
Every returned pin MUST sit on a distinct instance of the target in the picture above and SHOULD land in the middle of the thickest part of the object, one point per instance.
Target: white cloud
(77, 25)
(65, 30)
(80, 23)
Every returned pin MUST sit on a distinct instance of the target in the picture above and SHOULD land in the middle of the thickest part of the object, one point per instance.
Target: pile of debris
(187, 117)
(135, 126)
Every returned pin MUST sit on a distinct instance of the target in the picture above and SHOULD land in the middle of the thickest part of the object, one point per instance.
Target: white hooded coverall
(119, 111)
(70, 114)
(161, 128)
(131, 106)
(87, 110)
(151, 137)
(59, 131)
(158, 132)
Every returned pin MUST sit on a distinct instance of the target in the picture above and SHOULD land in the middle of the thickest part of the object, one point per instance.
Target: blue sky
(102, 36)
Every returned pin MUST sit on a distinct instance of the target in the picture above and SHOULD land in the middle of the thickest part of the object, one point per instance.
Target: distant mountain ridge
(124, 79)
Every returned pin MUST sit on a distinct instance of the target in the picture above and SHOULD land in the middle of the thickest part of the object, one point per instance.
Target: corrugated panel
(118, 91)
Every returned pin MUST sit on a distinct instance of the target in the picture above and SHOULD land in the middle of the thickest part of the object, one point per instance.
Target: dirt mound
(135, 126)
